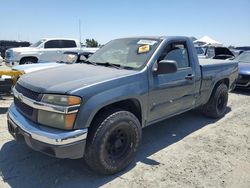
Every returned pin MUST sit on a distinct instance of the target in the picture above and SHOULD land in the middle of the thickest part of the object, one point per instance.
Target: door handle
(189, 77)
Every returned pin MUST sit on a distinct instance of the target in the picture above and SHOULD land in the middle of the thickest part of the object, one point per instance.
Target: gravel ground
(189, 150)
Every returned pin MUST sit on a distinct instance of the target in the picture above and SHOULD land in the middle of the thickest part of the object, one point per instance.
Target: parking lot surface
(189, 150)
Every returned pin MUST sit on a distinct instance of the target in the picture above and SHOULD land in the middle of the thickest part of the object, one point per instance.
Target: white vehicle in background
(45, 50)
(67, 58)
(1, 59)
(200, 52)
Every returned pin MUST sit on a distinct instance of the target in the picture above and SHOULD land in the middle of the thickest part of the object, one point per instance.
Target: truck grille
(26, 110)
(26, 92)
(7, 54)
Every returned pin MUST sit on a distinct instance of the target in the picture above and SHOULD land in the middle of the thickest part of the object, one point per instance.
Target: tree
(231, 47)
(91, 43)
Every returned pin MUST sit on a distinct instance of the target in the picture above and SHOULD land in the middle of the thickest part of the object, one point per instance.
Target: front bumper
(53, 142)
(243, 81)
(11, 62)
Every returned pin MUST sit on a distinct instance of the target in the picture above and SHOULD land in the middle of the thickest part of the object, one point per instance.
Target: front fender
(129, 91)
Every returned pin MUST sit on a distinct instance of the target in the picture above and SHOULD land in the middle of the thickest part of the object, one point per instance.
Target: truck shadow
(241, 91)
(23, 167)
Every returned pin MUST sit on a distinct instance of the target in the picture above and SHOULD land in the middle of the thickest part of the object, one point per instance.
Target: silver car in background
(244, 70)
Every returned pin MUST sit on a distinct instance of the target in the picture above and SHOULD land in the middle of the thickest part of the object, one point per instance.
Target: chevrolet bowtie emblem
(20, 97)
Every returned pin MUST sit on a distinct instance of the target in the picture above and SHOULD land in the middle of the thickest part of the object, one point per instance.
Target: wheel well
(27, 57)
(131, 105)
(224, 81)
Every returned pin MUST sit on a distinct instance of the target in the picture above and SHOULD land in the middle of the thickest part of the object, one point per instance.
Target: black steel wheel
(217, 104)
(113, 141)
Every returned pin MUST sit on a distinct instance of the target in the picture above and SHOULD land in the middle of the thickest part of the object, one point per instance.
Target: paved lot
(189, 150)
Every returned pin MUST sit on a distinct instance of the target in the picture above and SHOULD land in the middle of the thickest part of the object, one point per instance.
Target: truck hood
(244, 68)
(64, 79)
(36, 67)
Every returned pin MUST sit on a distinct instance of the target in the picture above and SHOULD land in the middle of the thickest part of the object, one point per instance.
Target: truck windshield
(244, 57)
(36, 44)
(132, 53)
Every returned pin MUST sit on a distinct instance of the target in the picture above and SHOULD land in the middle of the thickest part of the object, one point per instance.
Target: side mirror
(165, 67)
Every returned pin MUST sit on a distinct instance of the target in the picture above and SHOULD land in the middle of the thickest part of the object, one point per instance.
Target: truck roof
(161, 37)
(59, 39)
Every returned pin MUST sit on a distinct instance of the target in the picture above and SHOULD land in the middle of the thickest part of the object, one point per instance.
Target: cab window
(68, 44)
(177, 51)
(210, 52)
(52, 44)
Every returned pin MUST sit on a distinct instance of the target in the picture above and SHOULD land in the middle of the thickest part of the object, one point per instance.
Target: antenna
(80, 32)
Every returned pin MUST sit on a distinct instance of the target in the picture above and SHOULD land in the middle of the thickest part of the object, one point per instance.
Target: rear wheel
(28, 60)
(217, 104)
(112, 142)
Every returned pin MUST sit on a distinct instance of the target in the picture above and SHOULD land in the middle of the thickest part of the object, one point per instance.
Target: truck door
(51, 51)
(172, 93)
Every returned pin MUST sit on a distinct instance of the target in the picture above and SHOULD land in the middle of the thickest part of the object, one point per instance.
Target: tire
(112, 142)
(28, 60)
(217, 104)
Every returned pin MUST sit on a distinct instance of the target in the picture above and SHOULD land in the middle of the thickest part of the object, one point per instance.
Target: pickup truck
(45, 50)
(67, 58)
(8, 78)
(1, 60)
(96, 110)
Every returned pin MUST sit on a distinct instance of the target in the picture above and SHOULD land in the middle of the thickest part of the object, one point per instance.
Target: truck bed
(214, 62)
(213, 70)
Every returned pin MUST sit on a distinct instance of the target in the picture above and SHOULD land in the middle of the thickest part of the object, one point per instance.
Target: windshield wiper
(108, 64)
(90, 62)
(128, 67)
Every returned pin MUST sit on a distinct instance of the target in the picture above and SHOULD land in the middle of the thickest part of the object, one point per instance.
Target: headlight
(58, 120)
(52, 119)
(63, 100)
(8, 53)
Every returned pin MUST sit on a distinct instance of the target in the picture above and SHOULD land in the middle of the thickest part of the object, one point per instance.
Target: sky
(227, 21)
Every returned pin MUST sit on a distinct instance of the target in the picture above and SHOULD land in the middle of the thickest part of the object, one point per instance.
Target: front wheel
(217, 104)
(28, 60)
(112, 142)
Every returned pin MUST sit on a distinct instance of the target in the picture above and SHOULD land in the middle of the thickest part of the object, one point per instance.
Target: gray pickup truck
(96, 110)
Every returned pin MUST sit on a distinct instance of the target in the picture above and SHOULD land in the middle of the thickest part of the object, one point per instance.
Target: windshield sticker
(143, 49)
(148, 42)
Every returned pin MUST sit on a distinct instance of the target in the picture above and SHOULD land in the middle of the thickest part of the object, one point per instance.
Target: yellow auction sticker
(143, 49)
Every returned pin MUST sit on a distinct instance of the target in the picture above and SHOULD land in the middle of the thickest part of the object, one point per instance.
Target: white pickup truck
(1, 60)
(45, 50)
